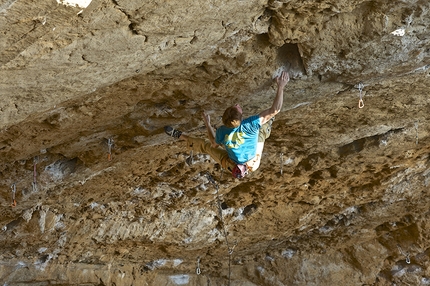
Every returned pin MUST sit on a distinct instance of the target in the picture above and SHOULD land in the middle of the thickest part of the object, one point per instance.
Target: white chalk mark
(399, 32)
(74, 3)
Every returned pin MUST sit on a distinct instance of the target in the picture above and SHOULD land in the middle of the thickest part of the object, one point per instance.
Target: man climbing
(243, 139)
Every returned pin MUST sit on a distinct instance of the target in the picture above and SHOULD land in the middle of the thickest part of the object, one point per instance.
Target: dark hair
(232, 117)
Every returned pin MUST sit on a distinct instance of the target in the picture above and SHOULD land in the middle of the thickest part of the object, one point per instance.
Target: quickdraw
(360, 89)
(34, 184)
(13, 204)
(110, 144)
(282, 162)
(416, 130)
(198, 271)
(408, 259)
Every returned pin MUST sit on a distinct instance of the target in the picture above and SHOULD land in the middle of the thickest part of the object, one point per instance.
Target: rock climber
(242, 139)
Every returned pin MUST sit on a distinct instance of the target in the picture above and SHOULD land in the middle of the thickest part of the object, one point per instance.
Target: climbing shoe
(172, 132)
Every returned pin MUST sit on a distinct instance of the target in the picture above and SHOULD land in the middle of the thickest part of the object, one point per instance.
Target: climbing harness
(230, 249)
(282, 162)
(408, 260)
(360, 89)
(240, 171)
(416, 129)
(13, 187)
(198, 272)
(110, 144)
(34, 184)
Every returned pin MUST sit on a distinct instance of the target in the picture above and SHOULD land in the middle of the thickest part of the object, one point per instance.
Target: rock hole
(61, 168)
(263, 40)
(290, 59)
(133, 29)
(44, 258)
(333, 171)
(249, 209)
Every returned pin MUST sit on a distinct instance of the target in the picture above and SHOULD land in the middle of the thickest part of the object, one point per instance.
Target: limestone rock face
(104, 197)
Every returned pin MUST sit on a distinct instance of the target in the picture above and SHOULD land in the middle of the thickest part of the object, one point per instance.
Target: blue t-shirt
(240, 142)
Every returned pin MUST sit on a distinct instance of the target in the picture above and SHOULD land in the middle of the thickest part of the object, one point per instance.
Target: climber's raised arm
(267, 114)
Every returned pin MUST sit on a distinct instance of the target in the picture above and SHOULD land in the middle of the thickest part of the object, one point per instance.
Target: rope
(230, 249)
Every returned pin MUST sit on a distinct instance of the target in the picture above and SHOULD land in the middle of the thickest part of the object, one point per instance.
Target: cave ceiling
(94, 193)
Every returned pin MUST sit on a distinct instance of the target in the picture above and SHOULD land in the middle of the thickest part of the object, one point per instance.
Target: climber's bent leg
(204, 146)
